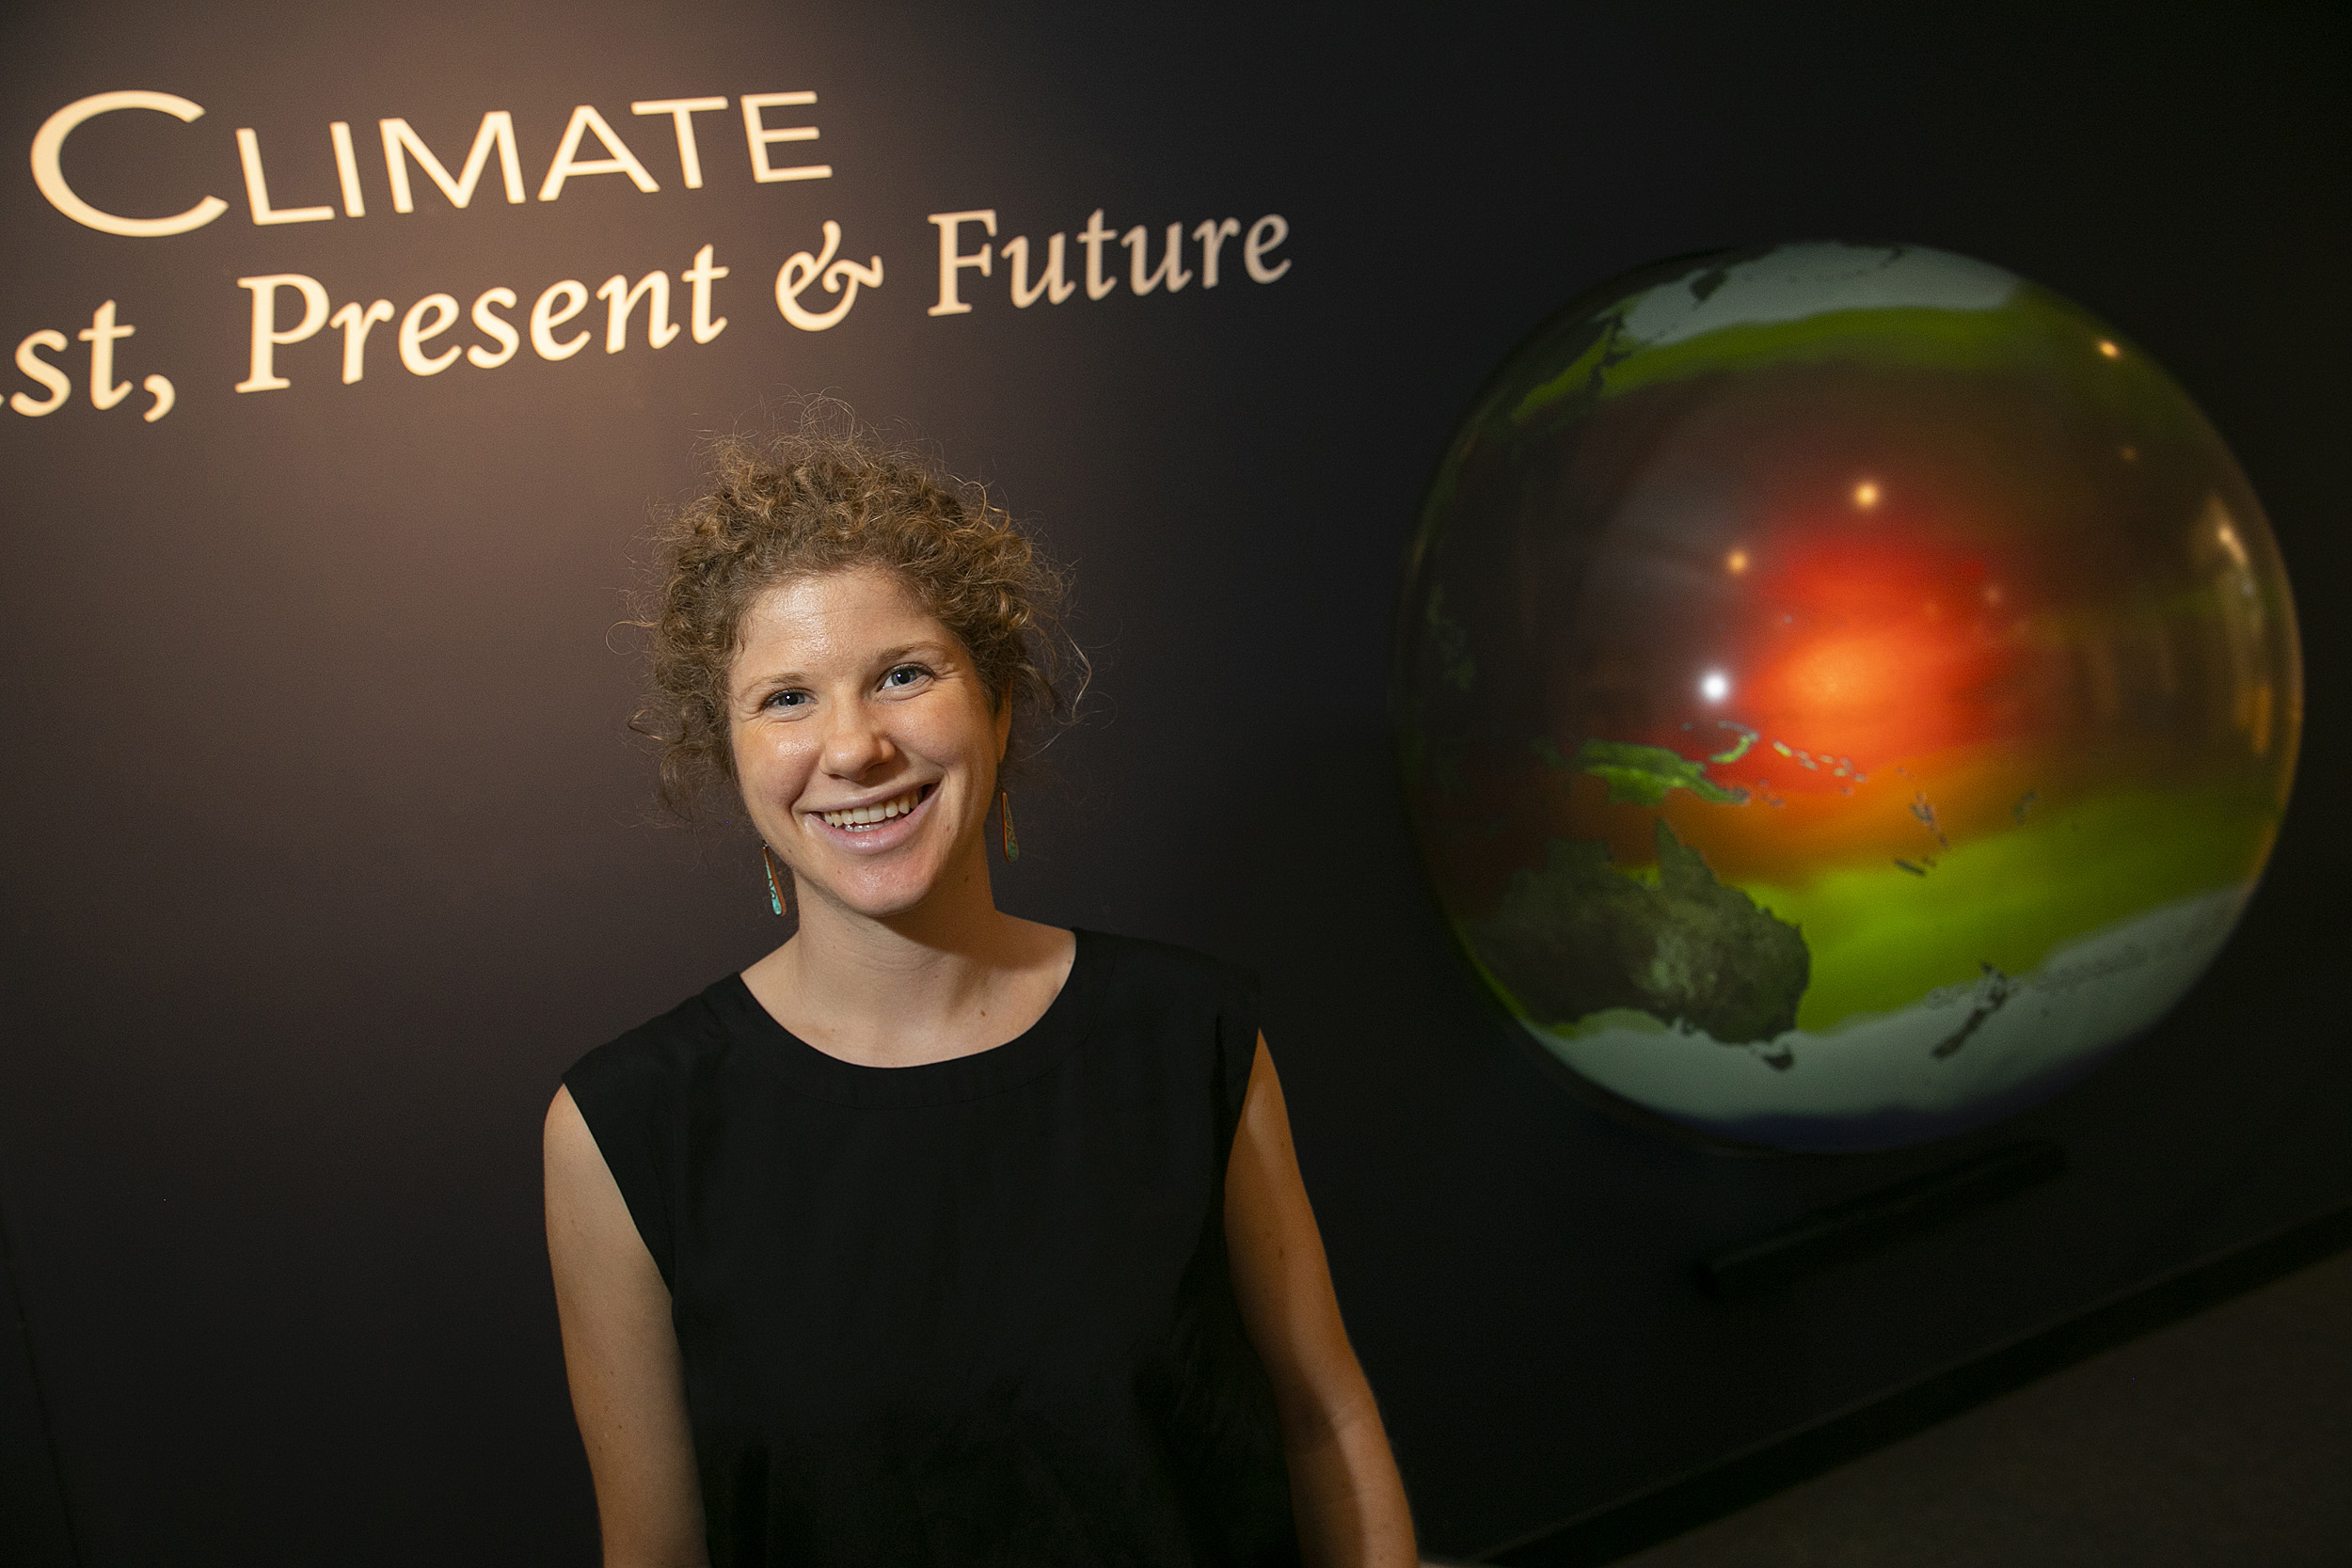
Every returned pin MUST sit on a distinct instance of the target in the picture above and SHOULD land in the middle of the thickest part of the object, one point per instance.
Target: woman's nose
(855, 745)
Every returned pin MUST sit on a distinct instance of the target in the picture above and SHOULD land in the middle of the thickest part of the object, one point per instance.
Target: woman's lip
(874, 839)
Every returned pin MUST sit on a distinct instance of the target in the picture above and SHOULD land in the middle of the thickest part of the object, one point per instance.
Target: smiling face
(865, 744)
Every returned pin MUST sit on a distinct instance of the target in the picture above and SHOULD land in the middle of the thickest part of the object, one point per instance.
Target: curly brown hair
(827, 496)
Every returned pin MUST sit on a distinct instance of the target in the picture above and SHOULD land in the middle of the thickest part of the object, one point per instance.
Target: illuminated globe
(1843, 691)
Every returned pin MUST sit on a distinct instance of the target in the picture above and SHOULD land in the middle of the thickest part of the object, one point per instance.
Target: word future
(1264, 236)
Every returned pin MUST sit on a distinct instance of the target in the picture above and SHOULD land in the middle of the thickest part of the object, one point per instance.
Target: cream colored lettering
(1092, 237)
(546, 316)
(28, 360)
(843, 277)
(682, 112)
(414, 332)
(568, 163)
(1171, 268)
(401, 143)
(101, 335)
(262, 374)
(621, 298)
(1049, 282)
(1264, 234)
(1213, 234)
(256, 188)
(953, 259)
(347, 169)
(49, 174)
(702, 274)
(760, 138)
(494, 326)
(355, 323)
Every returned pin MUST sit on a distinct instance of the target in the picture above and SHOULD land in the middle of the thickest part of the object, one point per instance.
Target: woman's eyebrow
(891, 655)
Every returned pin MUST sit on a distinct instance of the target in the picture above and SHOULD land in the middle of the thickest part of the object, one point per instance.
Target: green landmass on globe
(1581, 936)
(1642, 774)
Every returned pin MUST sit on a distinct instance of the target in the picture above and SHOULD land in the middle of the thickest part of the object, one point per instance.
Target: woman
(937, 1235)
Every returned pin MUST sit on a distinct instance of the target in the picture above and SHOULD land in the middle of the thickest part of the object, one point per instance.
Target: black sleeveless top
(975, 1311)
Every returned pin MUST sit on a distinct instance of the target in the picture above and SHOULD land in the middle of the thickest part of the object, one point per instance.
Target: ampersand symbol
(843, 277)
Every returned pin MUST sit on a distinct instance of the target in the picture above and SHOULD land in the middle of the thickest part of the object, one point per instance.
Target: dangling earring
(1003, 812)
(775, 888)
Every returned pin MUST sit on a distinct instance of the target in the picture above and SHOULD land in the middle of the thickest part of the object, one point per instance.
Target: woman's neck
(951, 976)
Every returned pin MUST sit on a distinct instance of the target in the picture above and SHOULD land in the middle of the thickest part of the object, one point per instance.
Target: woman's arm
(628, 1389)
(1344, 1488)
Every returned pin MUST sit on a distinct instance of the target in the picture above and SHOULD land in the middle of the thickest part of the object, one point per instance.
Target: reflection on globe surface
(1843, 691)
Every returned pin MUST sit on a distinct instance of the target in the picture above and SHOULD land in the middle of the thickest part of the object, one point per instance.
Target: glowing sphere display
(1843, 691)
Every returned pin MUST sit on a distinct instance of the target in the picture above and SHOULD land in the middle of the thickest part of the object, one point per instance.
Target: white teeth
(866, 816)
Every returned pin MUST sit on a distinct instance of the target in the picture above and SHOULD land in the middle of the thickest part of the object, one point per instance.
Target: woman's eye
(788, 699)
(905, 674)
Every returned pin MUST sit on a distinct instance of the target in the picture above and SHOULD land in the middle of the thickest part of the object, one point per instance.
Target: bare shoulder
(569, 1149)
(1032, 966)
(1044, 952)
(565, 1129)
(589, 1225)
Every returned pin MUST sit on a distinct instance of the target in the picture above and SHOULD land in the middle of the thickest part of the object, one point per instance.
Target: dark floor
(2224, 1439)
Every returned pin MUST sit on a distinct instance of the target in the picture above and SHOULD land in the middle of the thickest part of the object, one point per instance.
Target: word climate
(406, 156)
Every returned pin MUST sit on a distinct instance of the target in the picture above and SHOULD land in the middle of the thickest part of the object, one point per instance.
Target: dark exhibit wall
(329, 848)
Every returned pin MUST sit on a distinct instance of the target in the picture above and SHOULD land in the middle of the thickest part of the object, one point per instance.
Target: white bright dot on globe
(1866, 494)
(2109, 349)
(1714, 685)
(1736, 562)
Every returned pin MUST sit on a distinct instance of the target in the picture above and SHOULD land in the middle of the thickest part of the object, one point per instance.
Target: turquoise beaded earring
(775, 887)
(1003, 812)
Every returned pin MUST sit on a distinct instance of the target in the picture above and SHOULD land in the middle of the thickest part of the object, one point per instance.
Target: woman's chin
(878, 897)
